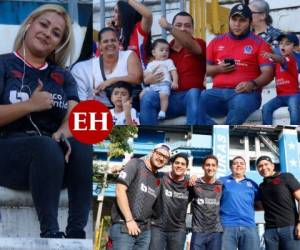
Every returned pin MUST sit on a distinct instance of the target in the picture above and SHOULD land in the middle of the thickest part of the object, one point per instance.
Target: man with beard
(168, 229)
(238, 70)
(137, 189)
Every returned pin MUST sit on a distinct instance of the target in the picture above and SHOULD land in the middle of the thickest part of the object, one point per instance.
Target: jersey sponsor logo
(282, 81)
(144, 188)
(176, 195)
(147, 189)
(208, 201)
(18, 96)
(122, 175)
(200, 201)
(168, 193)
(58, 101)
(220, 48)
(248, 49)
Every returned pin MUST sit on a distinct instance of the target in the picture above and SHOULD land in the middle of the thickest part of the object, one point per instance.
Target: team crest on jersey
(217, 189)
(57, 77)
(122, 175)
(157, 182)
(276, 181)
(249, 184)
(17, 74)
(248, 49)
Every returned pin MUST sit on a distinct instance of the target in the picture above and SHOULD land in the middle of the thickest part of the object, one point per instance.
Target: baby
(162, 63)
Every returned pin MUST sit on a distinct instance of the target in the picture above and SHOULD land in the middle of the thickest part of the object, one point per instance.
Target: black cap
(242, 10)
(262, 158)
(291, 37)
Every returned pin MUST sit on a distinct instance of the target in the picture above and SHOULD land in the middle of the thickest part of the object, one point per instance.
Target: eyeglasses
(257, 12)
(165, 157)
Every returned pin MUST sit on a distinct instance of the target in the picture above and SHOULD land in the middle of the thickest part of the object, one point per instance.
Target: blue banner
(289, 152)
(221, 148)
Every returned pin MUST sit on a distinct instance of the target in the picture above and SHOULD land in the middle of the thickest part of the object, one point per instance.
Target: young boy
(287, 85)
(162, 63)
(122, 112)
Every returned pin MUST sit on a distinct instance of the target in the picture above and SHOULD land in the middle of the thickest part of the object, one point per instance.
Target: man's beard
(153, 165)
(241, 35)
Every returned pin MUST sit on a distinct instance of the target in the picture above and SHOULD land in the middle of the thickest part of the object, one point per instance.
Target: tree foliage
(118, 138)
(118, 145)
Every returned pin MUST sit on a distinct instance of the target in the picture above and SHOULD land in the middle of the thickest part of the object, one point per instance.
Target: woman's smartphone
(64, 143)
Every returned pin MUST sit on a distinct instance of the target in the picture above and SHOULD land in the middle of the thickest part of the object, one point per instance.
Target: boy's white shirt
(119, 118)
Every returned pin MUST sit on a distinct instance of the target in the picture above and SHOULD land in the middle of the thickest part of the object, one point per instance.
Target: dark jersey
(143, 190)
(56, 81)
(278, 200)
(206, 207)
(171, 206)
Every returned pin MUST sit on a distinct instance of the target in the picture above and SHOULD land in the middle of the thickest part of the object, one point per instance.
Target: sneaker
(161, 115)
(57, 235)
(76, 234)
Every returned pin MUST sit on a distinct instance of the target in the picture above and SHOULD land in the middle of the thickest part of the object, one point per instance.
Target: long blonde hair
(60, 55)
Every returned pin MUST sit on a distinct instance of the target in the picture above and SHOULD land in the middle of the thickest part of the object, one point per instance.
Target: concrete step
(10, 197)
(44, 244)
(18, 217)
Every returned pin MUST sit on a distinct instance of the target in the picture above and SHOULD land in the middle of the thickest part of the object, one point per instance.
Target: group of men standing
(150, 208)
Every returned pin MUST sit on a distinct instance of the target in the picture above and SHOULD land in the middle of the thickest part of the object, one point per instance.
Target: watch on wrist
(254, 83)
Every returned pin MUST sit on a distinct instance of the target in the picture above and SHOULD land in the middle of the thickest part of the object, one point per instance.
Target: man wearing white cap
(138, 187)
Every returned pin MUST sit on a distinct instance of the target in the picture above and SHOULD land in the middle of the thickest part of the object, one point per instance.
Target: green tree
(118, 146)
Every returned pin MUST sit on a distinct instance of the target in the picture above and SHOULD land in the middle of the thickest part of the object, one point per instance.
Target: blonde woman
(36, 95)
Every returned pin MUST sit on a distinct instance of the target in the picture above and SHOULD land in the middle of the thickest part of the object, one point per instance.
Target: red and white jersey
(247, 54)
(137, 43)
(287, 77)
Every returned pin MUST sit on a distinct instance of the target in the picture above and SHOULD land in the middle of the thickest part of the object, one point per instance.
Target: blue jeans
(219, 102)
(180, 103)
(291, 101)
(124, 241)
(166, 240)
(282, 238)
(242, 238)
(36, 163)
(206, 241)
